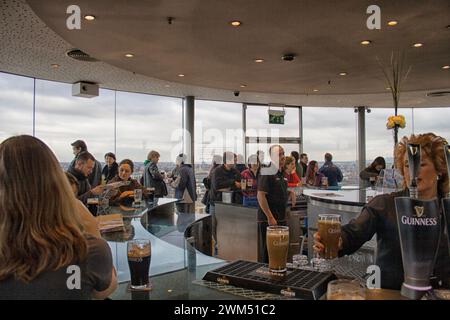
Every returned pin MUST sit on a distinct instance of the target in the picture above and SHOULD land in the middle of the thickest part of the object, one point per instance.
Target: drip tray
(303, 284)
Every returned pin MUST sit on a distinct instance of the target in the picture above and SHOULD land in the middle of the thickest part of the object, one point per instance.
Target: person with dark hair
(82, 168)
(185, 186)
(251, 176)
(331, 171)
(111, 168)
(216, 161)
(89, 222)
(298, 167)
(42, 237)
(225, 177)
(313, 176)
(126, 168)
(304, 164)
(291, 175)
(95, 177)
(152, 176)
(370, 174)
(240, 163)
(379, 216)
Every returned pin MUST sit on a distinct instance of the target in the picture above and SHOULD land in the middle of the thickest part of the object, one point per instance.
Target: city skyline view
(133, 124)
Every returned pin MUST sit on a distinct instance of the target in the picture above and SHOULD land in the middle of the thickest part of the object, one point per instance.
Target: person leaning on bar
(272, 197)
(126, 168)
(379, 215)
(44, 248)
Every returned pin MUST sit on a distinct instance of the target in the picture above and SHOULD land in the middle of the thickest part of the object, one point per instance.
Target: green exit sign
(276, 118)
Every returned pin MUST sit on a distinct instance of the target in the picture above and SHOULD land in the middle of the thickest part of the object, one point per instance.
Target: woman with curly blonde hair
(379, 215)
(42, 239)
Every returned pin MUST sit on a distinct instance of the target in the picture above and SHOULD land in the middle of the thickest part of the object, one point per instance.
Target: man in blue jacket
(331, 171)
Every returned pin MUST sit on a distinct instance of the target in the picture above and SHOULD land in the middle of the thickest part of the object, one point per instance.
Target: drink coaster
(149, 287)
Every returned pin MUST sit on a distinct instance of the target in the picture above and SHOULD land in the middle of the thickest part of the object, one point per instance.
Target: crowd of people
(46, 227)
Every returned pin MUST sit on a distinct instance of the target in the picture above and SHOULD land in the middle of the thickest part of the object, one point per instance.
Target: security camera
(236, 93)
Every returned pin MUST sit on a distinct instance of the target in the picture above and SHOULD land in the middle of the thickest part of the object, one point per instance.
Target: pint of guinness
(277, 238)
(139, 256)
(329, 228)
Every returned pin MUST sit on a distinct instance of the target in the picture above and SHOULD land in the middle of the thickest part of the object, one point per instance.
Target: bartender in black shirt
(272, 197)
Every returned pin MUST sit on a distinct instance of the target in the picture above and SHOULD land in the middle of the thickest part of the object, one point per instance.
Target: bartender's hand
(319, 246)
(97, 190)
(272, 221)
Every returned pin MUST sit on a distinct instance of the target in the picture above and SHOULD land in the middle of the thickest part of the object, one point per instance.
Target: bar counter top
(172, 275)
(346, 196)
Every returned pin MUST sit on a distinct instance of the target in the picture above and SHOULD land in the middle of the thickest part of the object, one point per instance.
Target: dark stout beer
(139, 256)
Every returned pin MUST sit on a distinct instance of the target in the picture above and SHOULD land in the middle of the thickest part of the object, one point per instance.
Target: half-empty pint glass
(329, 228)
(277, 247)
(139, 254)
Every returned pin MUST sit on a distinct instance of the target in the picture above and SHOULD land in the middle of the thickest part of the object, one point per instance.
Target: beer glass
(243, 184)
(345, 289)
(137, 196)
(139, 255)
(324, 182)
(277, 238)
(329, 228)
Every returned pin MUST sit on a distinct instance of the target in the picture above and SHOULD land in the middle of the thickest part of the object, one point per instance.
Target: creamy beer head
(277, 247)
(329, 228)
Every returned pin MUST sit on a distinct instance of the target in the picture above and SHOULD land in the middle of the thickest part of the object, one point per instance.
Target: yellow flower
(396, 121)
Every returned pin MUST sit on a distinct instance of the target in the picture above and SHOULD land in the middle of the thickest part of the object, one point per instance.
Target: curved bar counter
(181, 248)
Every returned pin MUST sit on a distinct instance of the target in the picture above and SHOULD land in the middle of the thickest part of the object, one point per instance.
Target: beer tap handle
(447, 158)
(414, 167)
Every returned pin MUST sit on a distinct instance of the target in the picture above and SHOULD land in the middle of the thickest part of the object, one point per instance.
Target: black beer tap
(446, 200)
(419, 227)
(414, 167)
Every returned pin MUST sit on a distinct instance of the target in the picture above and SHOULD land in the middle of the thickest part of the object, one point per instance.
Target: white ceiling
(199, 44)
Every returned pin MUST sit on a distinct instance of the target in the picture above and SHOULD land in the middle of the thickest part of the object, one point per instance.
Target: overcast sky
(146, 122)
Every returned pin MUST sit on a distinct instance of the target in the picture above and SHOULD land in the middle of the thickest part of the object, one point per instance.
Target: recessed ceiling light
(417, 45)
(366, 42)
(316, 90)
(129, 55)
(235, 23)
(392, 23)
(55, 65)
(259, 60)
(89, 17)
(181, 75)
(167, 85)
(388, 88)
(342, 73)
(243, 85)
(445, 67)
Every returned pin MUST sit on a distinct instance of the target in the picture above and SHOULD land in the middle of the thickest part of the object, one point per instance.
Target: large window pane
(380, 140)
(218, 128)
(16, 105)
(436, 120)
(332, 130)
(62, 119)
(147, 122)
